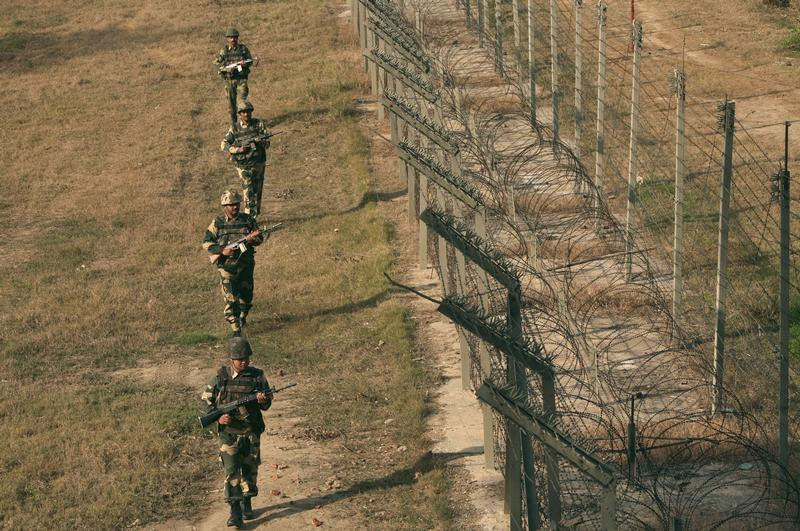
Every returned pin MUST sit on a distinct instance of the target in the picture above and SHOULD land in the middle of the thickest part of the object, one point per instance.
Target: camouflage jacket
(227, 56)
(247, 135)
(226, 386)
(223, 231)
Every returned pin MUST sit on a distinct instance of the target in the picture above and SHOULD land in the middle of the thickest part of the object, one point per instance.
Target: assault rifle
(250, 142)
(241, 243)
(224, 409)
(237, 65)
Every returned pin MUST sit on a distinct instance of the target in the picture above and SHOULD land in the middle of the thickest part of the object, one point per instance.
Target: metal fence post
(413, 202)
(554, 67)
(630, 222)
(423, 229)
(460, 284)
(483, 353)
(481, 14)
(551, 462)
(444, 265)
(608, 508)
(517, 48)
(381, 76)
(783, 399)
(578, 75)
(600, 140)
(487, 22)
(372, 67)
(362, 31)
(680, 170)
(518, 439)
(498, 37)
(718, 382)
(531, 63)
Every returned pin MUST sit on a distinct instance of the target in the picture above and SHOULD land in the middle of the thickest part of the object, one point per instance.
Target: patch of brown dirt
(295, 483)
(731, 48)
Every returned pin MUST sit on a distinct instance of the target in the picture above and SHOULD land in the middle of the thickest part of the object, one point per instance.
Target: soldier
(235, 265)
(234, 61)
(239, 432)
(246, 143)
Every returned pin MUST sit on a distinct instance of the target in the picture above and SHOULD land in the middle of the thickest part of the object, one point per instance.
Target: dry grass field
(111, 172)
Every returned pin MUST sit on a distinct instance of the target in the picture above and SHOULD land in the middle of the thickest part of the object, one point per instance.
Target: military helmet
(244, 106)
(231, 32)
(230, 197)
(239, 348)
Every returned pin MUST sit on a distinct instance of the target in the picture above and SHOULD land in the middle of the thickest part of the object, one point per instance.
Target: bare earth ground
(456, 427)
(731, 48)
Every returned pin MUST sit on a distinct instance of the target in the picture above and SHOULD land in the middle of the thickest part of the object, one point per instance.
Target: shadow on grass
(757, 330)
(426, 463)
(280, 320)
(17, 48)
(367, 198)
(301, 115)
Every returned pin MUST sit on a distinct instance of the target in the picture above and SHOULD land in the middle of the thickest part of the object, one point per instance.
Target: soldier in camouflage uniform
(234, 265)
(246, 143)
(239, 432)
(233, 68)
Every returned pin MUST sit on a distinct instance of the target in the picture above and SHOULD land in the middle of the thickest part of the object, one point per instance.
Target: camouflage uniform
(249, 165)
(240, 440)
(236, 271)
(235, 81)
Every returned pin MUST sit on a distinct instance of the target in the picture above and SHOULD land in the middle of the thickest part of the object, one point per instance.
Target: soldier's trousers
(252, 177)
(240, 456)
(237, 290)
(236, 90)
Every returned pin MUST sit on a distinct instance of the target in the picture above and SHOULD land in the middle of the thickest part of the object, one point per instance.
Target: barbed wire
(620, 358)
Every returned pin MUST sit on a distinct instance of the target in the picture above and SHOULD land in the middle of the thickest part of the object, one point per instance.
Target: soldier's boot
(236, 515)
(247, 508)
(243, 319)
(236, 327)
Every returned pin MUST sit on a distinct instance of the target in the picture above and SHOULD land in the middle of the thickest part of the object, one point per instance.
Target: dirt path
(456, 427)
(297, 487)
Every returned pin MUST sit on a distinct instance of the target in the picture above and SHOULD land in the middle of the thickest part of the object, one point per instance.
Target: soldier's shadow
(258, 327)
(366, 199)
(405, 476)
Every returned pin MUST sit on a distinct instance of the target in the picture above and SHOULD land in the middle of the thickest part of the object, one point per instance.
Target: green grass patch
(124, 453)
(794, 330)
(792, 41)
(15, 41)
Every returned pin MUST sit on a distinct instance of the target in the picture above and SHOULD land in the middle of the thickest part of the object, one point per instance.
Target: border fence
(614, 279)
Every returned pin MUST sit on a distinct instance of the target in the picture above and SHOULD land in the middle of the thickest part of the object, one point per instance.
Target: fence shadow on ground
(426, 463)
